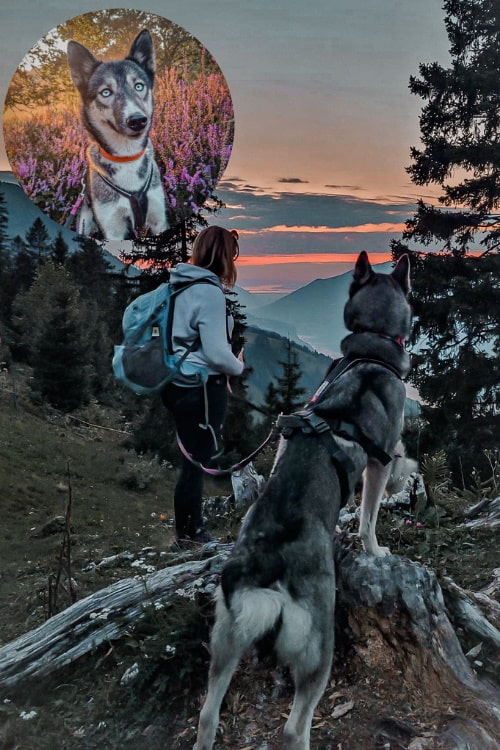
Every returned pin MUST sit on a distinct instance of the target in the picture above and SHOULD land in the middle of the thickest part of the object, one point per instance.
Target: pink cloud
(360, 228)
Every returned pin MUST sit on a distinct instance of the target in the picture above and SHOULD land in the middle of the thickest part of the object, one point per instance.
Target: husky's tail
(256, 612)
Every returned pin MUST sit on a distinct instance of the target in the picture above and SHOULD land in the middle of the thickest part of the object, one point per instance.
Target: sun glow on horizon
(275, 260)
(358, 228)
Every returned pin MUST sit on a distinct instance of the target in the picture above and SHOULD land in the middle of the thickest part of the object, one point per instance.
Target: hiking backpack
(145, 362)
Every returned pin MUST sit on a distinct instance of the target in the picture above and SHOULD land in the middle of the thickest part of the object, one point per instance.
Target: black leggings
(188, 408)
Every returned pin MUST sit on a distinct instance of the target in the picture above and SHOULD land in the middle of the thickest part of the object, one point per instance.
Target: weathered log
(464, 611)
(394, 607)
(485, 514)
(102, 617)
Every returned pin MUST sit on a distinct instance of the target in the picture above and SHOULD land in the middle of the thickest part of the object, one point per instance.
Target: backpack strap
(177, 289)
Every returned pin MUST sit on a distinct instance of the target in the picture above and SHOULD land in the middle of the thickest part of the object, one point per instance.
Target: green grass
(123, 502)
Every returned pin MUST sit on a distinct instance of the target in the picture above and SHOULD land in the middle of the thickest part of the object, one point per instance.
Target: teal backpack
(145, 362)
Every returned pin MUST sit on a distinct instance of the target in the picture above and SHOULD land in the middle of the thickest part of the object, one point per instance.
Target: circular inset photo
(118, 124)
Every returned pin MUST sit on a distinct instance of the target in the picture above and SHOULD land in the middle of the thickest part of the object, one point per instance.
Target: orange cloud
(275, 260)
(361, 228)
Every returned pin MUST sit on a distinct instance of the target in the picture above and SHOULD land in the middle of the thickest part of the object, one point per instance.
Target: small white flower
(143, 565)
(130, 674)
(28, 715)
(190, 595)
(170, 649)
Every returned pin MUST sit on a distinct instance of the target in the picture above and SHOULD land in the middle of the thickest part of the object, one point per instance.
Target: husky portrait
(279, 582)
(123, 192)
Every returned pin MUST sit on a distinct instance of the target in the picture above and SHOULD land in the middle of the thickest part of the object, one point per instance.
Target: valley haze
(311, 314)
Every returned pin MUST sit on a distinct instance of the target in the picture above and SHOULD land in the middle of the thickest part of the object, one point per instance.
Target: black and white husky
(124, 192)
(280, 579)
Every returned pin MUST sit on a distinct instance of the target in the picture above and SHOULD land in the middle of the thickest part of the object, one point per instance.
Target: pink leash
(235, 467)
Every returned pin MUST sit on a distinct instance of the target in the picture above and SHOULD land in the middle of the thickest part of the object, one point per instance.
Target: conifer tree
(5, 262)
(24, 265)
(454, 245)
(4, 220)
(271, 402)
(60, 370)
(59, 249)
(38, 240)
(52, 336)
(287, 396)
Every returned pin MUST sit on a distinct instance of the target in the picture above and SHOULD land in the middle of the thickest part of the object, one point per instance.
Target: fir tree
(456, 294)
(286, 397)
(271, 402)
(24, 265)
(38, 240)
(4, 220)
(60, 372)
(90, 269)
(59, 250)
(6, 273)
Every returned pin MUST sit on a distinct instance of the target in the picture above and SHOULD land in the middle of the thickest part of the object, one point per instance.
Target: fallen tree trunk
(102, 617)
(397, 617)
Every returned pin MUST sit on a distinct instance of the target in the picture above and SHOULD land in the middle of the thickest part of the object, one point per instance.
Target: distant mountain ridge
(22, 212)
(265, 350)
(314, 313)
(311, 318)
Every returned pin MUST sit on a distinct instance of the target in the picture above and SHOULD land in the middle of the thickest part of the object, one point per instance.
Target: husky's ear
(362, 272)
(401, 273)
(142, 53)
(82, 64)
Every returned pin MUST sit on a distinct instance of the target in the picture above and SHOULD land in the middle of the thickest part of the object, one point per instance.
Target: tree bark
(400, 624)
(397, 616)
(99, 618)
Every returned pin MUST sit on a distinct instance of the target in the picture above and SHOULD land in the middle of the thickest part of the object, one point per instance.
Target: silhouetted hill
(22, 212)
(265, 350)
(315, 311)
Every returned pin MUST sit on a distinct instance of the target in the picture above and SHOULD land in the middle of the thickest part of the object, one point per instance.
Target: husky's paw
(382, 552)
(375, 550)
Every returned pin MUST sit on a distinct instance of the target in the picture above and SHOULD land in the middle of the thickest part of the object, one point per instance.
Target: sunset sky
(324, 119)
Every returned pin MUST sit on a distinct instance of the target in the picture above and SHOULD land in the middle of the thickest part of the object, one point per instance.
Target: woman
(199, 408)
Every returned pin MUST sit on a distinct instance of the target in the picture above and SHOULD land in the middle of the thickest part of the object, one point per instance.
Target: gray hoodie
(200, 313)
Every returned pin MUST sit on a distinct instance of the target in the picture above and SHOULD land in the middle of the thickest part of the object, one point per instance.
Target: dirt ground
(122, 502)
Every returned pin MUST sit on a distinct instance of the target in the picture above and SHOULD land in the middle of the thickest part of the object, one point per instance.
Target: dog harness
(344, 428)
(308, 422)
(138, 198)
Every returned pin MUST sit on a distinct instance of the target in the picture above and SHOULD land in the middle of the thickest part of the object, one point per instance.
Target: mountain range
(312, 314)
(310, 318)
(22, 212)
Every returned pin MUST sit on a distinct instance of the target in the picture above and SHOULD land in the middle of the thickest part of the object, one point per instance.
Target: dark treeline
(60, 314)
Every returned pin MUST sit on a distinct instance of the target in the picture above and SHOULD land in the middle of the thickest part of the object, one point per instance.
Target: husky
(279, 582)
(124, 192)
